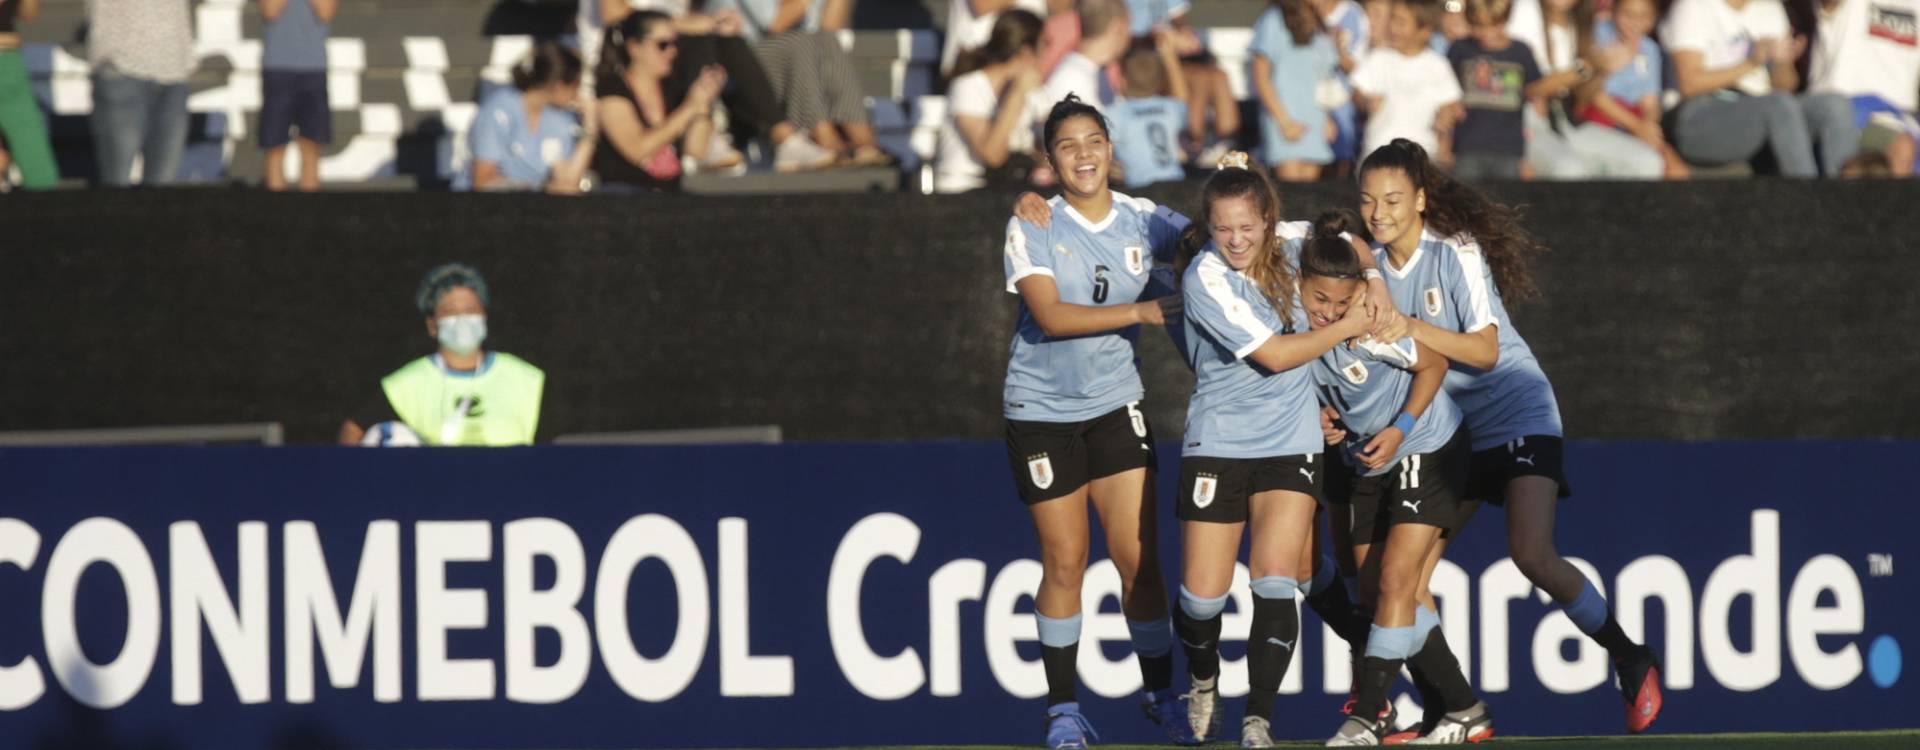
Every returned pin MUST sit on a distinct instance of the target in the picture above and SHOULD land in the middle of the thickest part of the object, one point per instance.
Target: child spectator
(1292, 58)
(991, 113)
(1869, 51)
(1405, 86)
(1497, 75)
(640, 118)
(1146, 121)
(1630, 64)
(1352, 35)
(20, 123)
(1733, 61)
(1209, 91)
(1103, 39)
(1558, 147)
(1379, 15)
(527, 137)
(293, 87)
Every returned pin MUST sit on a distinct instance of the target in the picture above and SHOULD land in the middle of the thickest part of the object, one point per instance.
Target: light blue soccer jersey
(1092, 263)
(1146, 138)
(1448, 284)
(1369, 384)
(1240, 410)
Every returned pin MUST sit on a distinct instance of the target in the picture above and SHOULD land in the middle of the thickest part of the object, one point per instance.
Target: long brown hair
(1013, 31)
(1269, 270)
(1456, 208)
(614, 57)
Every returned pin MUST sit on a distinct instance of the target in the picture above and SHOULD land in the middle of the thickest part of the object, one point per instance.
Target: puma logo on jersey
(1412, 505)
(1528, 460)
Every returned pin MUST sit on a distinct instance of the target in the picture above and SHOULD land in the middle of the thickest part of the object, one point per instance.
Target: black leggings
(752, 109)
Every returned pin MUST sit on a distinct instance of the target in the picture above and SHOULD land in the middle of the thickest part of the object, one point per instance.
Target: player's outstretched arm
(1063, 319)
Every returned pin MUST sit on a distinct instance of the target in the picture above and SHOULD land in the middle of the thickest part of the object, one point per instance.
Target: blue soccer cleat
(1164, 708)
(1066, 728)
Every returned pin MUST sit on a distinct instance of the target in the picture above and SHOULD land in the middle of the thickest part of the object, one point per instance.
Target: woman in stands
(1252, 445)
(639, 124)
(527, 137)
(1449, 253)
(21, 129)
(812, 76)
(1409, 461)
(991, 109)
(1075, 431)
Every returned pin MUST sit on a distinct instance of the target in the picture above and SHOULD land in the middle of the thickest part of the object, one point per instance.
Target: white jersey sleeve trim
(1213, 278)
(1473, 272)
(1021, 263)
(1293, 230)
(1393, 353)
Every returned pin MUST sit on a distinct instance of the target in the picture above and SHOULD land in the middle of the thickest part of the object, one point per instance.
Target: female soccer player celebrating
(1075, 432)
(1410, 460)
(1448, 252)
(1252, 445)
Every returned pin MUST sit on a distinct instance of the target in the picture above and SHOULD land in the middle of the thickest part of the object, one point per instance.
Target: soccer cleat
(1203, 710)
(1066, 728)
(1460, 727)
(1360, 732)
(1163, 708)
(1639, 675)
(1254, 732)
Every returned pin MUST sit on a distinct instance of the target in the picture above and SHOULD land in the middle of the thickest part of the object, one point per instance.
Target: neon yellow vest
(499, 406)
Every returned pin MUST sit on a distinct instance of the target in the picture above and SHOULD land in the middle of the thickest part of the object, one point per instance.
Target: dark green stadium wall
(1722, 310)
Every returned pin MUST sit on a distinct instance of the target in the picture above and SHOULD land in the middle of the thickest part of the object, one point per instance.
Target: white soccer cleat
(1461, 727)
(1203, 709)
(1253, 732)
(1356, 732)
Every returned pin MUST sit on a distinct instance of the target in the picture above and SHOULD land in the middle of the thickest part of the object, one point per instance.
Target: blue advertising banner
(821, 595)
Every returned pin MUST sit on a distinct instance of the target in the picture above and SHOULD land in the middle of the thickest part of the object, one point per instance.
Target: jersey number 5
(1099, 285)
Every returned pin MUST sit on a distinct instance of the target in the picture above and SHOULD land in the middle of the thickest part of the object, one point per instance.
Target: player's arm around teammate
(1075, 432)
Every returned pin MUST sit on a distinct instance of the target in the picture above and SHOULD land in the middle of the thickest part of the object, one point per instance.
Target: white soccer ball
(391, 435)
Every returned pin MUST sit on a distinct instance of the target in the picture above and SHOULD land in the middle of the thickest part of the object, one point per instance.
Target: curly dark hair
(1455, 208)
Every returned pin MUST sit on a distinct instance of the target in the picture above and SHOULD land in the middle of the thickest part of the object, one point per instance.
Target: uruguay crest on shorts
(1040, 469)
(1203, 487)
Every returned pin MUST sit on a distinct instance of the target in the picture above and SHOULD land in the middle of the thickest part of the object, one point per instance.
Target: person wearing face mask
(460, 395)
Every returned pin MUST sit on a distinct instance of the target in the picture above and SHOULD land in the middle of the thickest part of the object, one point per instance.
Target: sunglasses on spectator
(665, 44)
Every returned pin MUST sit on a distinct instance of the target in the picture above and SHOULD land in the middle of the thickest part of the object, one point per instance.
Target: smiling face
(1237, 228)
(1328, 299)
(1390, 204)
(1634, 18)
(1081, 154)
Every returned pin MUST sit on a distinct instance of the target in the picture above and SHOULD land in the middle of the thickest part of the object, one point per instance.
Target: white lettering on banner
(1452, 589)
(101, 540)
(438, 609)
(527, 610)
(313, 612)
(641, 538)
(197, 594)
(1757, 577)
(741, 673)
(1006, 628)
(1106, 678)
(1659, 577)
(22, 683)
(1588, 669)
(878, 677)
(1500, 583)
(1807, 620)
(1238, 620)
(959, 581)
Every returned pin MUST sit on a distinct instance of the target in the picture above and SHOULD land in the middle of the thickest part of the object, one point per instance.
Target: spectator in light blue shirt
(1148, 117)
(527, 137)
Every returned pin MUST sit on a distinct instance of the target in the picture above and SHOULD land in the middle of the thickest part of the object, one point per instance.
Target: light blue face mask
(462, 334)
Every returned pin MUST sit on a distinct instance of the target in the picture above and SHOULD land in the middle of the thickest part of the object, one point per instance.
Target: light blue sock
(1589, 610)
(1201, 608)
(1390, 643)
(1276, 587)
(1424, 621)
(1058, 633)
(1152, 637)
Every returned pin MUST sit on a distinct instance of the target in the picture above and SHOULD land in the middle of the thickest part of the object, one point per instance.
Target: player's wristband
(1372, 273)
(1405, 423)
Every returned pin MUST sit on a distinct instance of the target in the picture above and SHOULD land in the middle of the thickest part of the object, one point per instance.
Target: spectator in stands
(1104, 37)
(1407, 88)
(142, 55)
(1060, 35)
(970, 26)
(1626, 93)
(1867, 50)
(293, 87)
(1147, 118)
(1734, 64)
(1497, 75)
(992, 109)
(753, 111)
(1352, 36)
(1867, 165)
(1557, 146)
(1453, 25)
(460, 395)
(527, 137)
(1292, 58)
(21, 128)
(1209, 89)
(1379, 16)
(641, 118)
(811, 74)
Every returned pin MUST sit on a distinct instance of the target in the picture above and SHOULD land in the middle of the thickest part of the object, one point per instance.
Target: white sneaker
(1472, 725)
(1203, 703)
(1253, 733)
(799, 153)
(723, 158)
(1356, 732)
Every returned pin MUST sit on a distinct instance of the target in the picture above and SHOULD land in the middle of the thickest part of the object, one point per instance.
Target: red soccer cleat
(1640, 686)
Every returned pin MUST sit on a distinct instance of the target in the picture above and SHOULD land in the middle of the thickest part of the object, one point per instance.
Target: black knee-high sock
(1275, 632)
(1376, 677)
(1615, 640)
(1435, 665)
(1200, 639)
(1336, 608)
(1062, 673)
